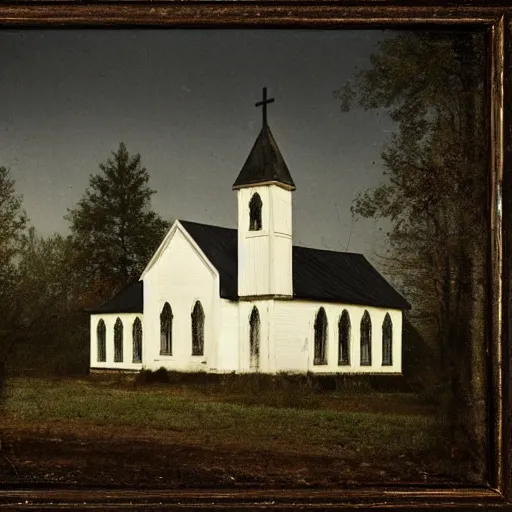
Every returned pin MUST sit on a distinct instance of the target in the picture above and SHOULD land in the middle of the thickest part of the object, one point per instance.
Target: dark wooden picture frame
(496, 18)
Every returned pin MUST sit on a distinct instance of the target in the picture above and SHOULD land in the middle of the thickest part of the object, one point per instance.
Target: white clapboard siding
(281, 265)
(254, 269)
(282, 210)
(291, 331)
(110, 319)
(265, 255)
(294, 337)
(181, 276)
(228, 350)
(281, 241)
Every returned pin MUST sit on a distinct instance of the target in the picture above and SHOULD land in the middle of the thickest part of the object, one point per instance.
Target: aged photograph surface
(243, 258)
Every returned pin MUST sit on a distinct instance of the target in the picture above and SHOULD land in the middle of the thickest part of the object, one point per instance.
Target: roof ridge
(329, 250)
(205, 224)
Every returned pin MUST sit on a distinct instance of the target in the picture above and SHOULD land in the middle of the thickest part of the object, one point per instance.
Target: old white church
(215, 299)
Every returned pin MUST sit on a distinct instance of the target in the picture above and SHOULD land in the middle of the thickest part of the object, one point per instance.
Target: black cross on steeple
(264, 103)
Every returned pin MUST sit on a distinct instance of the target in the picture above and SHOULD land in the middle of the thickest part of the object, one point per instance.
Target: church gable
(219, 245)
(180, 303)
(177, 230)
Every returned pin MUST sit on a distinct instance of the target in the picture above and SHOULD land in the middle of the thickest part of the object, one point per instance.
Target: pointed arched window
(254, 338)
(320, 356)
(198, 330)
(344, 339)
(255, 205)
(101, 337)
(387, 341)
(118, 341)
(366, 340)
(166, 330)
(137, 341)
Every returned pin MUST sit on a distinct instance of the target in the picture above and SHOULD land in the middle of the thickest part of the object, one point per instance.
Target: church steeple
(265, 164)
(264, 192)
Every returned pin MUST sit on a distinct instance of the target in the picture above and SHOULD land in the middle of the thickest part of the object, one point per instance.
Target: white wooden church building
(214, 299)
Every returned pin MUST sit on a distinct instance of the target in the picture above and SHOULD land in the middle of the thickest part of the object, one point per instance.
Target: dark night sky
(185, 101)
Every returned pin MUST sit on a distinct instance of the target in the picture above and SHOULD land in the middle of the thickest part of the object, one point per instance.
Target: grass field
(104, 431)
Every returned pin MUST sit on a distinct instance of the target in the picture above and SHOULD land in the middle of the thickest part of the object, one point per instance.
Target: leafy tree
(432, 86)
(55, 334)
(114, 231)
(12, 224)
(12, 219)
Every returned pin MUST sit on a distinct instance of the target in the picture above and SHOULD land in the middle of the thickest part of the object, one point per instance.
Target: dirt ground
(106, 457)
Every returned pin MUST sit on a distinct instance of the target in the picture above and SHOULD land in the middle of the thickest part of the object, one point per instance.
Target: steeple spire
(264, 104)
(265, 164)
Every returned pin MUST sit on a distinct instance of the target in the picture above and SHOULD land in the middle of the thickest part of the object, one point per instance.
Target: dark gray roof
(128, 300)
(264, 163)
(220, 245)
(341, 277)
(318, 275)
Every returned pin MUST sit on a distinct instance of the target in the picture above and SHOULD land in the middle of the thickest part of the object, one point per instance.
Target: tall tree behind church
(434, 193)
(114, 231)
